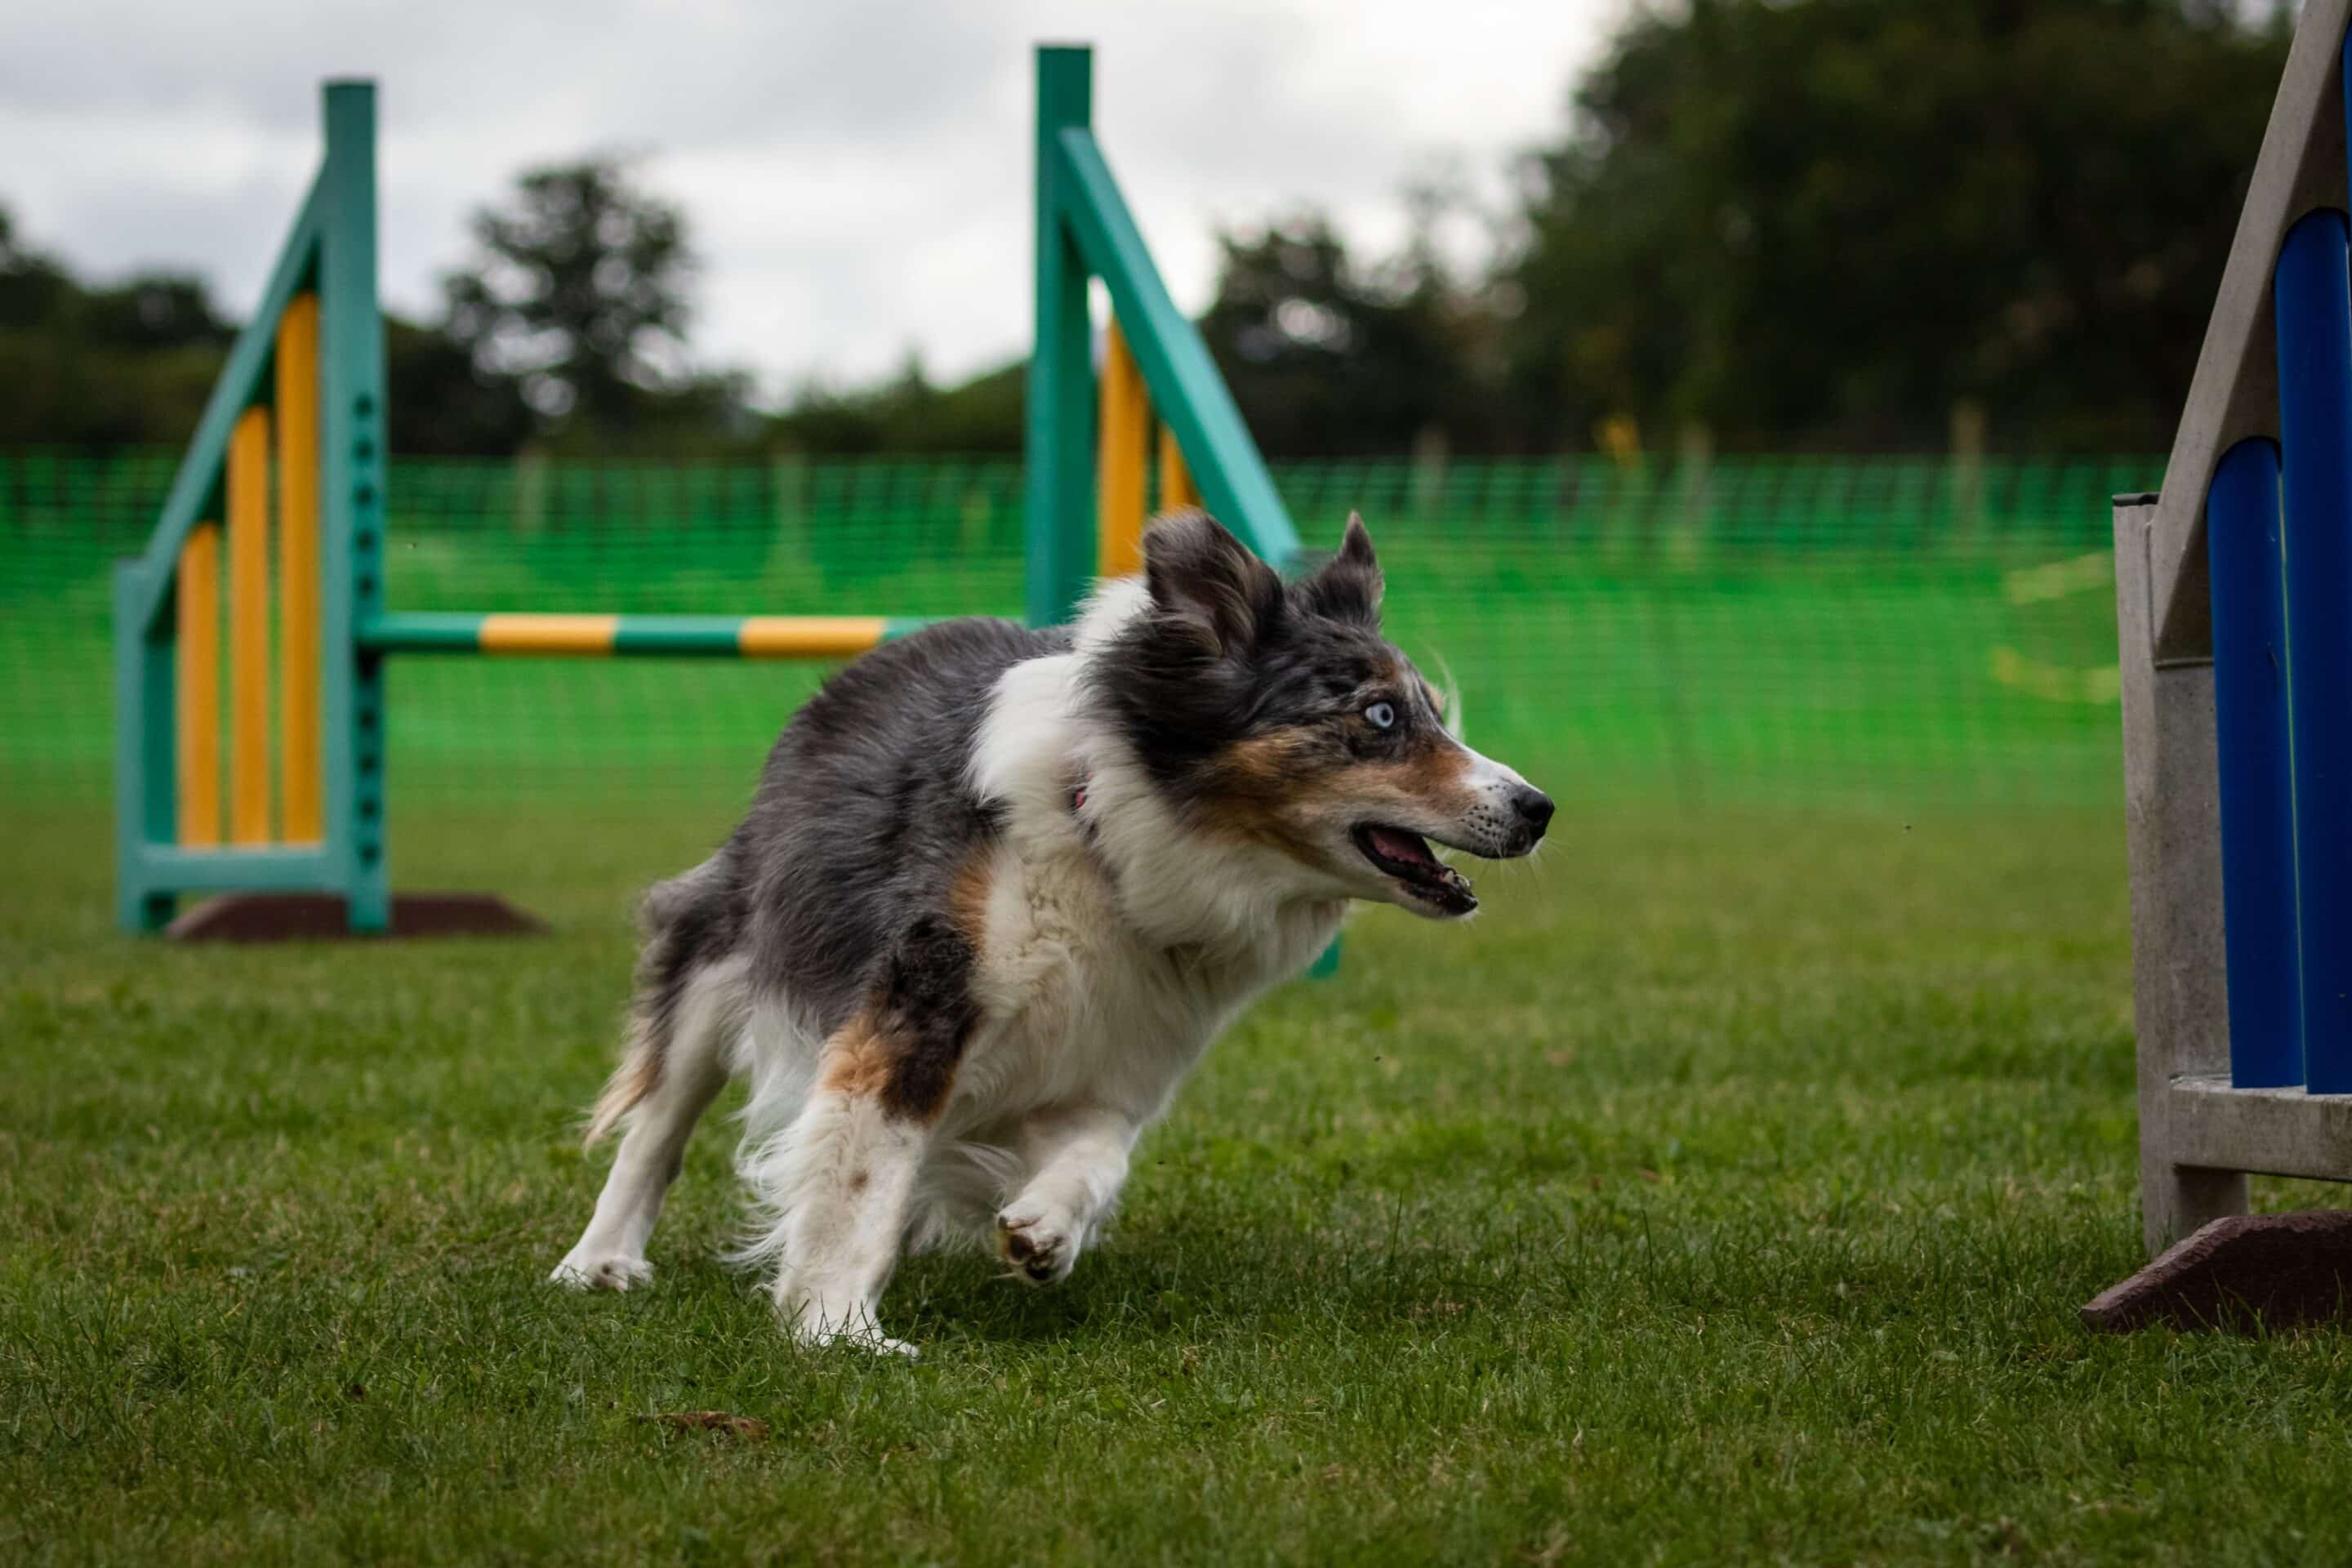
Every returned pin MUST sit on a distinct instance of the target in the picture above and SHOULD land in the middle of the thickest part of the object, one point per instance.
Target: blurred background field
(1879, 635)
(1543, 314)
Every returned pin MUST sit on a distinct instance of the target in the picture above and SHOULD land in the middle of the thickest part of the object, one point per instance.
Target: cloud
(856, 174)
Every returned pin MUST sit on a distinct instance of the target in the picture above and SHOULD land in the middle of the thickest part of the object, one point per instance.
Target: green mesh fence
(1852, 633)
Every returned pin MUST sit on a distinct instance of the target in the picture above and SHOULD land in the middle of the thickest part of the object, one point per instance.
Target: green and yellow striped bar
(597, 636)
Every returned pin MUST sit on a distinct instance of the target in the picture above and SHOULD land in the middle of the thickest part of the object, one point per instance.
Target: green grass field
(1725, 1192)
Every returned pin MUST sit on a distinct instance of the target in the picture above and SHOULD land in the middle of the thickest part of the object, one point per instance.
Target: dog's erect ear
(1349, 587)
(1202, 577)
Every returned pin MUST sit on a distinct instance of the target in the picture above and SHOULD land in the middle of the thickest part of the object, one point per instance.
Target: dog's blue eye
(1380, 715)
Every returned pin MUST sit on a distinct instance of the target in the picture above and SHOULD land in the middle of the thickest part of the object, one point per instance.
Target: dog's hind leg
(671, 1094)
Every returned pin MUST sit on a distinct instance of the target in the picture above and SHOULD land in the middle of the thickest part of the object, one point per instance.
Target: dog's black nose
(1534, 807)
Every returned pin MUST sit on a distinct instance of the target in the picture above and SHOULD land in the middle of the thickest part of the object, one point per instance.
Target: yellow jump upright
(248, 630)
(1176, 486)
(1124, 425)
(1123, 442)
(253, 639)
(195, 679)
(302, 792)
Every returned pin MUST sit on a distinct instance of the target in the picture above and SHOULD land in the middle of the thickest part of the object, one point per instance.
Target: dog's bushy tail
(686, 923)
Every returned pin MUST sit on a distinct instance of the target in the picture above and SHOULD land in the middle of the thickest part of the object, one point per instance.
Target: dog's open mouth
(1405, 859)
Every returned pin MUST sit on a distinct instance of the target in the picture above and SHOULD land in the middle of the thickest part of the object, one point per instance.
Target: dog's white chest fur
(1115, 943)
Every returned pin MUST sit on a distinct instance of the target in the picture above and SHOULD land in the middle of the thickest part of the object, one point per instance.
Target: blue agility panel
(2312, 290)
(2257, 785)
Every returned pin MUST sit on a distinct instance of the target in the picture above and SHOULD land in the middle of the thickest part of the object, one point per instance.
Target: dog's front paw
(819, 1324)
(1041, 1243)
(873, 1339)
(600, 1271)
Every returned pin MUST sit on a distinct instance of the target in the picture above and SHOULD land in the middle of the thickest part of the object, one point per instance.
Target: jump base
(2242, 1272)
(322, 917)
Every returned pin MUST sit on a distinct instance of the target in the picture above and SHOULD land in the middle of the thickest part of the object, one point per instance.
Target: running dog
(999, 891)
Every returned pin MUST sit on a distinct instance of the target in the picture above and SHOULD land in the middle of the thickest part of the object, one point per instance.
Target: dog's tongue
(1399, 846)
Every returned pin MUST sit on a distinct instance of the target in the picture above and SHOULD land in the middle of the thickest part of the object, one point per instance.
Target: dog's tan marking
(857, 1059)
(642, 1058)
(639, 1074)
(646, 1050)
(1258, 782)
(1272, 788)
(1272, 763)
(882, 1055)
(968, 900)
(1434, 772)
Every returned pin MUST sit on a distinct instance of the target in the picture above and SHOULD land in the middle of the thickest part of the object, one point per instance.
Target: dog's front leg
(850, 1168)
(842, 1178)
(1077, 1156)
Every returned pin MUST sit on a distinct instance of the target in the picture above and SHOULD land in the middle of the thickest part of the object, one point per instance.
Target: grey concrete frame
(2198, 1138)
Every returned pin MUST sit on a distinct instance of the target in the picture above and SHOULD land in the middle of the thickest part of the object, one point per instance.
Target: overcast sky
(856, 175)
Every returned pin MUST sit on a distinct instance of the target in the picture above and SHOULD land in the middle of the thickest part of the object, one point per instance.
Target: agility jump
(302, 398)
(2234, 607)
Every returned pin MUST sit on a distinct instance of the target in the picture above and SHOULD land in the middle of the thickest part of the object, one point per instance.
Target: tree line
(1762, 224)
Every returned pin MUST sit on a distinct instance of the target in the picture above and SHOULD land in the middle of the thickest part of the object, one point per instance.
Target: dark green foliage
(580, 292)
(129, 362)
(908, 414)
(1822, 225)
(133, 363)
(442, 402)
(1826, 223)
(1326, 358)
